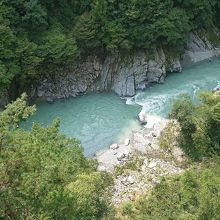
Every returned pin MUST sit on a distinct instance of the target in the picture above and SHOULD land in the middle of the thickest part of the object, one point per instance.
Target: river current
(100, 119)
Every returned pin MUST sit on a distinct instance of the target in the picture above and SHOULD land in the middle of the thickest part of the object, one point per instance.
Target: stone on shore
(142, 117)
(114, 146)
(127, 142)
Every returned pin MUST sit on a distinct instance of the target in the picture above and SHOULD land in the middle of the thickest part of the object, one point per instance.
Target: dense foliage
(200, 124)
(43, 174)
(191, 196)
(36, 36)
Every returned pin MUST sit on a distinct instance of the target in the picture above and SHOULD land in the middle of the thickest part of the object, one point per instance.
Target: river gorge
(100, 119)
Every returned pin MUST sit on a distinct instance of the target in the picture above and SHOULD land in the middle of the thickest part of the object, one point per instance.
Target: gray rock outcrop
(197, 50)
(122, 74)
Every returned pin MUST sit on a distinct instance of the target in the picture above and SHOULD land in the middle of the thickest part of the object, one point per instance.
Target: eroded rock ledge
(121, 74)
(124, 75)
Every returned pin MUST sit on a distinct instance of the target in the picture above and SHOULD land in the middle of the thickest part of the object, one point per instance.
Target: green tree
(57, 48)
(43, 174)
(200, 124)
(191, 196)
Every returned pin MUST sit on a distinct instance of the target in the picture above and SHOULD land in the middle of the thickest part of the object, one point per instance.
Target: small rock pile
(149, 161)
(132, 183)
(144, 141)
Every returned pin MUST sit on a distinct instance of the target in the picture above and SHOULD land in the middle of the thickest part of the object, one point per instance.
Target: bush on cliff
(43, 174)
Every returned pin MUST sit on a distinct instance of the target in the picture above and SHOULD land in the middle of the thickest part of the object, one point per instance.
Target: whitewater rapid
(158, 99)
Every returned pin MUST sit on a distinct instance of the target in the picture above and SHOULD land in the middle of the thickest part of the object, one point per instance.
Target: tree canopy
(43, 174)
(200, 124)
(36, 36)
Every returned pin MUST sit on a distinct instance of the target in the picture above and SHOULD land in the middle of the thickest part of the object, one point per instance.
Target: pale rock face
(197, 50)
(175, 66)
(120, 156)
(122, 74)
(142, 117)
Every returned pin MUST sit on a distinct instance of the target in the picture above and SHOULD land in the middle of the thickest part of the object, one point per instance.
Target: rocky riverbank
(139, 163)
(121, 74)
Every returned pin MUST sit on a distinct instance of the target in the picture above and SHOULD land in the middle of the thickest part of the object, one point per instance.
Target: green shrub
(200, 124)
(43, 174)
(192, 195)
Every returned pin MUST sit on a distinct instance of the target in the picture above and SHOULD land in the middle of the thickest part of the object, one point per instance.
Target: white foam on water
(130, 101)
(158, 99)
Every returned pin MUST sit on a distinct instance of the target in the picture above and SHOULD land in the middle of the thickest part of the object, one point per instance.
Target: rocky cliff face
(121, 74)
(198, 50)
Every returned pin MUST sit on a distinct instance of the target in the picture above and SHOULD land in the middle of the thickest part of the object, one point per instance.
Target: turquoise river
(100, 119)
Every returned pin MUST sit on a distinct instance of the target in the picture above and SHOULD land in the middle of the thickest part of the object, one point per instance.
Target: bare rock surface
(142, 163)
(143, 141)
(133, 183)
(121, 74)
(109, 158)
(198, 50)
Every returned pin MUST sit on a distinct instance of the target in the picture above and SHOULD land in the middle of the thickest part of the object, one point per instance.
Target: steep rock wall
(122, 74)
(197, 50)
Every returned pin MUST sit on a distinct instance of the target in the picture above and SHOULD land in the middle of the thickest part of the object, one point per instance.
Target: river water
(100, 119)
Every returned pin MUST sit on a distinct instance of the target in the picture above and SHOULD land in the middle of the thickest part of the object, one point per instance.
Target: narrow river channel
(100, 119)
